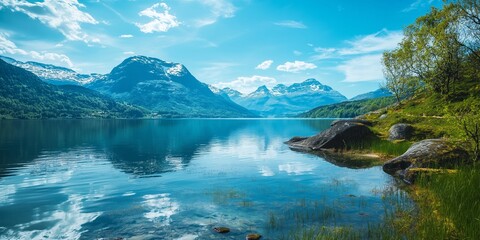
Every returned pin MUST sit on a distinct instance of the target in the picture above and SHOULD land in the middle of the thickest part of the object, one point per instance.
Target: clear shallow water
(174, 179)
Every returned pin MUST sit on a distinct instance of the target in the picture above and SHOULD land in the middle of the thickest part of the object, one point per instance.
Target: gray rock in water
(340, 135)
(400, 131)
(429, 153)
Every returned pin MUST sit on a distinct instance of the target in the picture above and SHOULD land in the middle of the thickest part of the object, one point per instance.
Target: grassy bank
(449, 205)
(446, 207)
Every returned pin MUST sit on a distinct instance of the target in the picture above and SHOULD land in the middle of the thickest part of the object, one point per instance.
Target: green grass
(384, 147)
(450, 205)
(446, 206)
(427, 114)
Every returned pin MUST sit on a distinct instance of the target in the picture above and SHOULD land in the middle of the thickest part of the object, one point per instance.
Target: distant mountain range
(381, 92)
(24, 95)
(54, 74)
(163, 89)
(166, 89)
(282, 100)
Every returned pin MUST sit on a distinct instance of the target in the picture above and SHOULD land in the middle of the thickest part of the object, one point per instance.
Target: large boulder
(342, 134)
(354, 120)
(400, 131)
(429, 153)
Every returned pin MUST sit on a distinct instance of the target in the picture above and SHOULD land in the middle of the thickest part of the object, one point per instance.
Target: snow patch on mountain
(54, 74)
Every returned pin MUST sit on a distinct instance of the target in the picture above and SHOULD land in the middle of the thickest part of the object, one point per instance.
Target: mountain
(349, 109)
(381, 92)
(54, 74)
(166, 88)
(24, 95)
(227, 93)
(284, 101)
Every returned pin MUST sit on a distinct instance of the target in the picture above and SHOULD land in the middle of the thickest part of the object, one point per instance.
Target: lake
(175, 179)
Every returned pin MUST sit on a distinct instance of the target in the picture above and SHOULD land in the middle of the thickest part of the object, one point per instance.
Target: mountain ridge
(283, 100)
(53, 74)
(381, 92)
(25, 95)
(165, 87)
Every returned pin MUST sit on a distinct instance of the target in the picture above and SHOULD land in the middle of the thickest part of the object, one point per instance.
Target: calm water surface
(174, 179)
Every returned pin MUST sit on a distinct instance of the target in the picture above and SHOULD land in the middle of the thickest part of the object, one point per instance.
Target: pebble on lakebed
(221, 229)
(253, 236)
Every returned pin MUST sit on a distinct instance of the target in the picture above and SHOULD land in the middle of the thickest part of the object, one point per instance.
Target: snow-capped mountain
(24, 95)
(261, 92)
(54, 74)
(165, 87)
(381, 92)
(284, 100)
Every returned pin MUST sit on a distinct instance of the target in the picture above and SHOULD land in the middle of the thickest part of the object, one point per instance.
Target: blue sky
(228, 43)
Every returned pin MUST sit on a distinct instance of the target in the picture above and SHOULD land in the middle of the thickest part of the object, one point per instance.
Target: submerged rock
(429, 153)
(221, 229)
(253, 236)
(341, 135)
(400, 131)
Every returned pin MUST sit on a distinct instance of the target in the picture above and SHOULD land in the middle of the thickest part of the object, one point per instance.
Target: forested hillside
(24, 95)
(349, 109)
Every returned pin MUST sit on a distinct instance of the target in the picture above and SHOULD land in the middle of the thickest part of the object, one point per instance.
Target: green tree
(467, 117)
(469, 13)
(397, 75)
(433, 49)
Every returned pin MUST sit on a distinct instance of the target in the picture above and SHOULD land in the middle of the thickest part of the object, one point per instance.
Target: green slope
(23, 95)
(348, 109)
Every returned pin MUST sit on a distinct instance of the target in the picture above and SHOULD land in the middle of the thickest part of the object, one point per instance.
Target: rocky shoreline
(335, 144)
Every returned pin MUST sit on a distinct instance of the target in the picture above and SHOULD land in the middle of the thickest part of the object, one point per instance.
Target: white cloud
(363, 68)
(126, 36)
(9, 47)
(62, 15)
(360, 60)
(129, 53)
(379, 41)
(162, 21)
(417, 4)
(264, 65)
(297, 53)
(247, 85)
(218, 9)
(373, 43)
(324, 53)
(291, 24)
(296, 66)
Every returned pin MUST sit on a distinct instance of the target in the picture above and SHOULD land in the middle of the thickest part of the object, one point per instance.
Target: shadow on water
(347, 160)
(139, 147)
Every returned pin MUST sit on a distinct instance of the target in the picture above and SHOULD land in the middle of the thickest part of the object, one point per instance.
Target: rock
(221, 229)
(342, 134)
(383, 116)
(429, 153)
(400, 131)
(355, 120)
(297, 139)
(253, 236)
